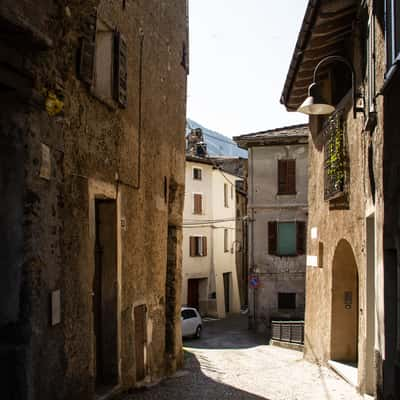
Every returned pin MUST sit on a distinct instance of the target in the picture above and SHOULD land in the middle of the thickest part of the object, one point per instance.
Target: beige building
(209, 248)
(93, 97)
(277, 211)
(352, 312)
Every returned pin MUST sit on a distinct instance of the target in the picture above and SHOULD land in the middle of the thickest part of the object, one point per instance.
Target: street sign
(254, 281)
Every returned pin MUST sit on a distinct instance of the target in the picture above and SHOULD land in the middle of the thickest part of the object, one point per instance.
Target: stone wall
(96, 150)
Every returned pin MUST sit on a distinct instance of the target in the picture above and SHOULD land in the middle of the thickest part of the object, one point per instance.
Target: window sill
(105, 100)
(286, 194)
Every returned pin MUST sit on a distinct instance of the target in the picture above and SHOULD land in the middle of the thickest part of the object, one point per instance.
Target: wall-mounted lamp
(315, 104)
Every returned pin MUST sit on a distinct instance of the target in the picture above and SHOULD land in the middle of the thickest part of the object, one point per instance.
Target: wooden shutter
(291, 176)
(120, 70)
(287, 176)
(272, 237)
(197, 203)
(301, 237)
(282, 168)
(88, 49)
(204, 239)
(192, 241)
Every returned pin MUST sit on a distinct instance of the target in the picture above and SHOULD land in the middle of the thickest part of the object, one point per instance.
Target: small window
(287, 301)
(286, 176)
(226, 240)
(197, 203)
(226, 195)
(231, 192)
(103, 61)
(197, 174)
(198, 246)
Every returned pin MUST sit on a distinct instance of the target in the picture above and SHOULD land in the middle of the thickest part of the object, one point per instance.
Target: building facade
(277, 212)
(210, 281)
(352, 307)
(92, 93)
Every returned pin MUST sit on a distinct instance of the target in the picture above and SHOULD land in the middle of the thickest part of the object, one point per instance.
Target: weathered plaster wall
(276, 274)
(136, 159)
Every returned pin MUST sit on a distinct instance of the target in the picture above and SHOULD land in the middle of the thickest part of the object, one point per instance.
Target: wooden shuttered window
(286, 176)
(301, 237)
(88, 49)
(273, 238)
(120, 70)
(197, 203)
(198, 246)
(204, 244)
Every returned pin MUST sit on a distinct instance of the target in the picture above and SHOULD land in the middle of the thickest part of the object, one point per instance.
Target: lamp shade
(315, 104)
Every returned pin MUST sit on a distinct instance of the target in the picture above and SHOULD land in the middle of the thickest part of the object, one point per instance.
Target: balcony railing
(334, 132)
(288, 331)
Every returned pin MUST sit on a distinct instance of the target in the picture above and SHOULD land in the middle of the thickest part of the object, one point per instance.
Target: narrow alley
(230, 362)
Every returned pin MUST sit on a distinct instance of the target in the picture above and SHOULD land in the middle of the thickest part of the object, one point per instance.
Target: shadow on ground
(231, 333)
(191, 384)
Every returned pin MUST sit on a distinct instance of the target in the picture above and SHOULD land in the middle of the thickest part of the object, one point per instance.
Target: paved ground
(229, 362)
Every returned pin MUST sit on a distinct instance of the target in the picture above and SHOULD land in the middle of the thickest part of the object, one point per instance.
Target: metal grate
(288, 331)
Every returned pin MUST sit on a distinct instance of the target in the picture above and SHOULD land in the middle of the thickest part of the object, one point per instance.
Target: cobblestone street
(229, 362)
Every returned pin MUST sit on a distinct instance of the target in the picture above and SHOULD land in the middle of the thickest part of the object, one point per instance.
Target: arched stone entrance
(344, 328)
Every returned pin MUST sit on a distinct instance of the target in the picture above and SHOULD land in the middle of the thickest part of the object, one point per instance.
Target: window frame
(200, 246)
(226, 203)
(226, 240)
(294, 253)
(200, 170)
(301, 238)
(288, 186)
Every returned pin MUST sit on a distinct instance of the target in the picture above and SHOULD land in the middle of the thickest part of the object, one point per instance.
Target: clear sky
(240, 52)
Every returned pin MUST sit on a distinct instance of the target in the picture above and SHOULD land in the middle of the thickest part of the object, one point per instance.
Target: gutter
(302, 40)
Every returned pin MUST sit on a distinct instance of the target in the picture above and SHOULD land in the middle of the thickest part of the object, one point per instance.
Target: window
(231, 192)
(226, 240)
(187, 314)
(197, 173)
(392, 31)
(198, 246)
(287, 301)
(103, 61)
(226, 195)
(197, 203)
(286, 238)
(286, 176)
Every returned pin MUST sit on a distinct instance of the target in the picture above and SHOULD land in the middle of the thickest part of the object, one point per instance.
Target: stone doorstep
(346, 371)
(287, 345)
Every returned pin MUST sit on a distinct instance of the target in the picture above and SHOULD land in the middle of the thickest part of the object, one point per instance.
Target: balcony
(335, 158)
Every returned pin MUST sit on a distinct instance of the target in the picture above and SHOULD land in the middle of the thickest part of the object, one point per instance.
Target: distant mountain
(217, 144)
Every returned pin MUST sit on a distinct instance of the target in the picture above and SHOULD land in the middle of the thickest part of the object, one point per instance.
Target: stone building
(352, 307)
(277, 211)
(210, 281)
(92, 94)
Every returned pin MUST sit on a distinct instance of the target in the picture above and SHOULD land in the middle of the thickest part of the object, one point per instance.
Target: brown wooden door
(140, 341)
(105, 294)
(193, 293)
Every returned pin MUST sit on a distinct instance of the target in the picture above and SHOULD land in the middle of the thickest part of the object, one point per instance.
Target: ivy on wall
(335, 159)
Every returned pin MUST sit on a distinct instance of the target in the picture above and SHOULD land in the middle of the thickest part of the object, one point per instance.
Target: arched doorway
(344, 329)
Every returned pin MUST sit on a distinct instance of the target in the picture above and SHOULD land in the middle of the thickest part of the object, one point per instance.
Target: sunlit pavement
(230, 362)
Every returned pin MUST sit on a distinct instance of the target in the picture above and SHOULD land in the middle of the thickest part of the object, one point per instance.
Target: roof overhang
(327, 27)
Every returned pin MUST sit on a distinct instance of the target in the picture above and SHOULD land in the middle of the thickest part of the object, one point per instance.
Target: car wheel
(197, 335)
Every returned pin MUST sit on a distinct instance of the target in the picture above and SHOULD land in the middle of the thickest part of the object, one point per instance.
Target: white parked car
(191, 322)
